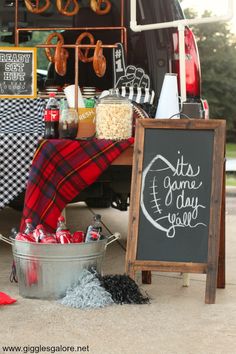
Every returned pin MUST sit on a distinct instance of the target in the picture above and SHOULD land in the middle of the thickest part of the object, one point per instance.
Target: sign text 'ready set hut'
(14, 65)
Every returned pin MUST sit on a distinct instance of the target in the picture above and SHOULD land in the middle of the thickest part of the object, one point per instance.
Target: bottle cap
(89, 103)
(40, 226)
(52, 94)
(28, 220)
(14, 232)
(97, 217)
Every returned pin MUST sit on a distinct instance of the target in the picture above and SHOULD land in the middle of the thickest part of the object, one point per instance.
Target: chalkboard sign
(176, 197)
(18, 78)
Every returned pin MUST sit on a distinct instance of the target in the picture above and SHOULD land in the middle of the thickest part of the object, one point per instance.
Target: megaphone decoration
(168, 105)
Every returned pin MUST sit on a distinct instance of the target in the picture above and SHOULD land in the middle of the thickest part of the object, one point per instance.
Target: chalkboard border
(211, 267)
(34, 73)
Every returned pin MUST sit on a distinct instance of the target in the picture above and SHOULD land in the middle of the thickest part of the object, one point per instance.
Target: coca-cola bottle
(63, 234)
(39, 233)
(28, 227)
(51, 118)
(94, 231)
(27, 234)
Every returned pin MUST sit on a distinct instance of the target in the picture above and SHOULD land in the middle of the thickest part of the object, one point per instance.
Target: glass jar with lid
(114, 116)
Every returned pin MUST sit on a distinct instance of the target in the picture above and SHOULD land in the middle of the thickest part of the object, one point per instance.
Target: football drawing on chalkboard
(170, 194)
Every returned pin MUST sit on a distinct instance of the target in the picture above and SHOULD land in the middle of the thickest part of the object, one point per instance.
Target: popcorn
(114, 121)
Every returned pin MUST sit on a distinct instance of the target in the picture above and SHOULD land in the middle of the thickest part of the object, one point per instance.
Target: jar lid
(114, 97)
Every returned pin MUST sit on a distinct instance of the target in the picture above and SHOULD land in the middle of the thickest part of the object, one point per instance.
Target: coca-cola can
(78, 237)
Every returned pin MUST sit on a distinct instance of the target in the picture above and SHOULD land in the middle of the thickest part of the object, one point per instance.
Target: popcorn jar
(114, 116)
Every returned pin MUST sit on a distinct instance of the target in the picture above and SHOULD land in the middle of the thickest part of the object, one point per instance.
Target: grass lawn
(231, 150)
(231, 181)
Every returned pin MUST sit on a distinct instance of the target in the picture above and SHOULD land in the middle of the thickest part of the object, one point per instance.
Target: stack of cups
(70, 95)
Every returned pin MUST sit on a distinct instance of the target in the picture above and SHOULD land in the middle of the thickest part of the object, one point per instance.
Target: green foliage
(230, 181)
(39, 37)
(231, 150)
(217, 50)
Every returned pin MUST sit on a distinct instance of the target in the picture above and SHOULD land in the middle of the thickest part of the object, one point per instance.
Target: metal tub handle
(112, 238)
(5, 239)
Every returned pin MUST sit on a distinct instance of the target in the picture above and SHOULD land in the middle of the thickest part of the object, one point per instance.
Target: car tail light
(193, 71)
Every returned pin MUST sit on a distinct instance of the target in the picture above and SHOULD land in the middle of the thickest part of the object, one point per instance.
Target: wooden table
(126, 158)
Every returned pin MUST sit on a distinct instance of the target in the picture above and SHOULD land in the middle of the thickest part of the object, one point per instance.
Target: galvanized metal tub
(46, 271)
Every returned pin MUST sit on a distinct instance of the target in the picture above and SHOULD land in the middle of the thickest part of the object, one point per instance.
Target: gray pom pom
(87, 293)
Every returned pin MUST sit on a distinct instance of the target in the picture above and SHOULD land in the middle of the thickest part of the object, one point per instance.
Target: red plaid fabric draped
(61, 169)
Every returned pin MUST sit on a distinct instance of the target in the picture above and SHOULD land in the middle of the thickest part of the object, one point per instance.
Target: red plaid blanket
(61, 169)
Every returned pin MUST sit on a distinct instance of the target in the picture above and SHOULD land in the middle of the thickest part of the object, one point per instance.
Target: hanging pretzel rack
(120, 28)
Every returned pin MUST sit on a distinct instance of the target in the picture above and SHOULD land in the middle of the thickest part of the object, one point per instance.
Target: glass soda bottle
(28, 227)
(51, 118)
(94, 231)
(14, 232)
(39, 233)
(63, 234)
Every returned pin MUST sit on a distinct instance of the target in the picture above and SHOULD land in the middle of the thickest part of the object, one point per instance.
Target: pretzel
(84, 56)
(35, 8)
(63, 9)
(48, 51)
(96, 6)
(61, 56)
(99, 61)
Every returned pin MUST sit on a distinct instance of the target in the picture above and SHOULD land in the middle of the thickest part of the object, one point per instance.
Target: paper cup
(70, 96)
(86, 122)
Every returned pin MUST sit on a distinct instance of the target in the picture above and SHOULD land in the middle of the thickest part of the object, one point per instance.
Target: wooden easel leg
(221, 264)
(211, 282)
(146, 277)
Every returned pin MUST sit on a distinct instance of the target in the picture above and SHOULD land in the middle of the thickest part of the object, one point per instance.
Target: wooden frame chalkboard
(176, 197)
(18, 75)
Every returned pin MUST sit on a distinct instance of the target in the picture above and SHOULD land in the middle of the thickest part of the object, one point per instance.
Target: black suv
(155, 51)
